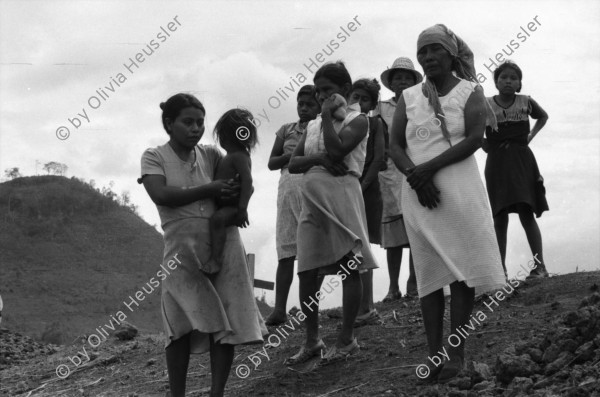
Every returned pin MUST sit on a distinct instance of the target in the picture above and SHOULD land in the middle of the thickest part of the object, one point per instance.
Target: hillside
(542, 339)
(69, 258)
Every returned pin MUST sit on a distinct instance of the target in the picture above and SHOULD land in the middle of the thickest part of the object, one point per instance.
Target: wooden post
(258, 283)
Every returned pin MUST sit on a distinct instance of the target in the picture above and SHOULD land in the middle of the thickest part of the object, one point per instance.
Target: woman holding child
(201, 312)
(438, 126)
(332, 231)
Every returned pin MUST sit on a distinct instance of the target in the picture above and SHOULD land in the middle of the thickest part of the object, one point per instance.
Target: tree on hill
(55, 168)
(12, 173)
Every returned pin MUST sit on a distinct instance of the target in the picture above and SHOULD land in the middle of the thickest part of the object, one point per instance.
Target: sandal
(305, 354)
(392, 296)
(336, 354)
(369, 318)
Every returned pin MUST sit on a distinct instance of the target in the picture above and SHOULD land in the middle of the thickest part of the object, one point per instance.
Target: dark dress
(512, 174)
(372, 195)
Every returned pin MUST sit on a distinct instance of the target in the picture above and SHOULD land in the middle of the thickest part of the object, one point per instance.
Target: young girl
(289, 198)
(365, 92)
(236, 133)
(514, 183)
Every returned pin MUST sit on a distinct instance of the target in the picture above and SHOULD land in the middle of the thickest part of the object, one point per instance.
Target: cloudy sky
(67, 64)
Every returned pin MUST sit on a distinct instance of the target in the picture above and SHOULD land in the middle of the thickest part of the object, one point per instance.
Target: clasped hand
(420, 179)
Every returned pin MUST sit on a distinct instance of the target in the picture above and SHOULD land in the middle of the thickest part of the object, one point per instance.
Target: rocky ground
(541, 338)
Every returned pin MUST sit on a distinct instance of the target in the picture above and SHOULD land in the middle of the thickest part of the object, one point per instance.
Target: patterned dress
(455, 241)
(511, 173)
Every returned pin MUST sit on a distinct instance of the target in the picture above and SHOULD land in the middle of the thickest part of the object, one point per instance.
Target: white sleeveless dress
(455, 241)
(333, 221)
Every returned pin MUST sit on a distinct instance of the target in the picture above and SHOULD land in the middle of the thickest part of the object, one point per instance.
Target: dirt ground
(390, 352)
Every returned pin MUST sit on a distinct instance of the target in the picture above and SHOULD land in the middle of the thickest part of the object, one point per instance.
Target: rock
(580, 318)
(568, 345)
(563, 374)
(429, 392)
(536, 355)
(543, 383)
(478, 371)
(510, 351)
(22, 387)
(563, 359)
(551, 354)
(521, 347)
(151, 361)
(462, 383)
(509, 367)
(126, 331)
(591, 300)
(585, 352)
(471, 393)
(519, 385)
(457, 393)
(485, 385)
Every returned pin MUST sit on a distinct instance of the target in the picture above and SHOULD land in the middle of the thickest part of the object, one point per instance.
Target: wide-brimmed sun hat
(401, 63)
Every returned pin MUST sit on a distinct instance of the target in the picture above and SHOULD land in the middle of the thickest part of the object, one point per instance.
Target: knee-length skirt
(333, 221)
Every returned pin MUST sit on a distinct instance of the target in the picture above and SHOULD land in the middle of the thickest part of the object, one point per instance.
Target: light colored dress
(455, 241)
(333, 220)
(222, 305)
(393, 231)
(289, 197)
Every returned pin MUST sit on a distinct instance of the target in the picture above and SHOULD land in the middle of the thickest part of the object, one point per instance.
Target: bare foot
(211, 267)
(276, 318)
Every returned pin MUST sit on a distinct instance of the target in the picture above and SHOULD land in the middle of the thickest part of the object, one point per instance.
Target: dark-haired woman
(332, 233)
(200, 313)
(438, 126)
(289, 198)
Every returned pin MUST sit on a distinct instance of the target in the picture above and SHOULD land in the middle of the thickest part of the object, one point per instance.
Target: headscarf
(464, 68)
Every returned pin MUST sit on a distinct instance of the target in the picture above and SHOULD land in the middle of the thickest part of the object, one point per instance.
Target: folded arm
(339, 145)
(300, 163)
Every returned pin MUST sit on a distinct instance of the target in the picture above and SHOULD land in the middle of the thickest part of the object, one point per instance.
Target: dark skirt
(513, 177)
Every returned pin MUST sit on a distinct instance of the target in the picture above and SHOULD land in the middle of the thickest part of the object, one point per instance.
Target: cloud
(240, 54)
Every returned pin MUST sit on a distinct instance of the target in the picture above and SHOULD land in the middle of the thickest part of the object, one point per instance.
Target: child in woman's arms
(236, 133)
